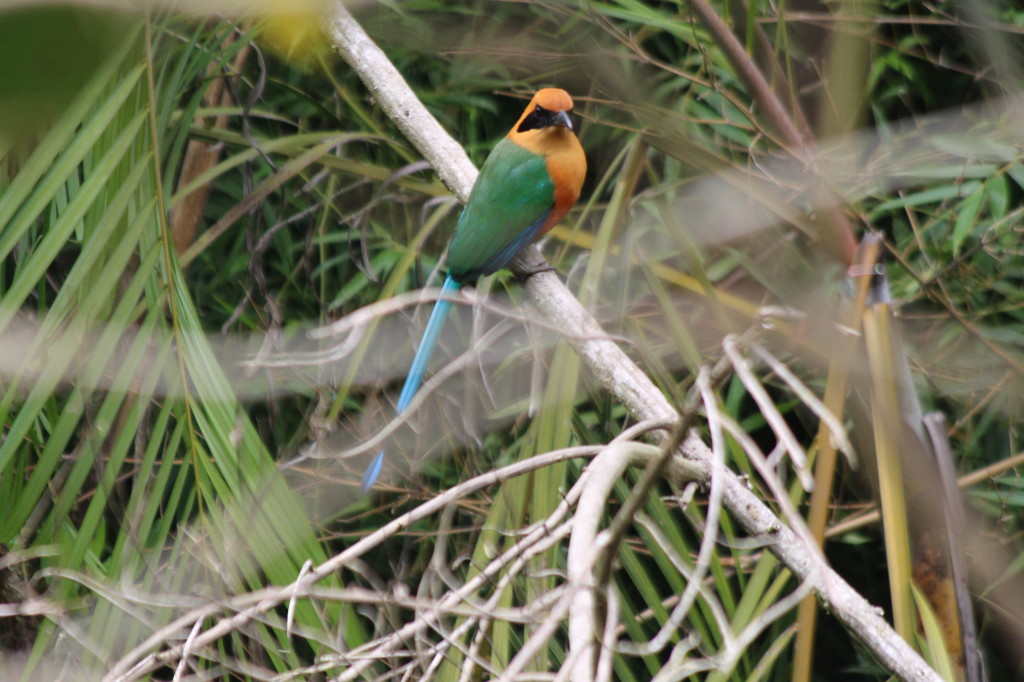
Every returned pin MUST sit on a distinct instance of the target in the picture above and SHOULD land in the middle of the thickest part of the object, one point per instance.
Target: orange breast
(567, 165)
(565, 161)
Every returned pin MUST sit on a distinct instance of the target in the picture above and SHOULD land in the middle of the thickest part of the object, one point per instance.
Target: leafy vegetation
(210, 242)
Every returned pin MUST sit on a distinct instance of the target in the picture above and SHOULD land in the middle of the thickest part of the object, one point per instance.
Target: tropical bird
(526, 186)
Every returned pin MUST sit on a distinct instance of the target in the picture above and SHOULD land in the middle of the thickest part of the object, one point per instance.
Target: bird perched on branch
(525, 187)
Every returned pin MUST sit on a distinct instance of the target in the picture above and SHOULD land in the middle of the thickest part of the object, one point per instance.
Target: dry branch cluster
(444, 618)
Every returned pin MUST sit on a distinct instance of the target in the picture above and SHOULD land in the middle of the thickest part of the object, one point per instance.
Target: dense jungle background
(219, 247)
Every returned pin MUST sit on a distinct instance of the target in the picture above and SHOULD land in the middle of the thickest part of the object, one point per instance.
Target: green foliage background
(148, 473)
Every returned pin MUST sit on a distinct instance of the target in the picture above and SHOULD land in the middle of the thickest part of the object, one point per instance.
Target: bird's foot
(525, 272)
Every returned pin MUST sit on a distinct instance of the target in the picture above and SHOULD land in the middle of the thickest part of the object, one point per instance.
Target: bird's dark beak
(562, 118)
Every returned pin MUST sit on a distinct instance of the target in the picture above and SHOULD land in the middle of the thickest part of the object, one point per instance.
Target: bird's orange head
(550, 107)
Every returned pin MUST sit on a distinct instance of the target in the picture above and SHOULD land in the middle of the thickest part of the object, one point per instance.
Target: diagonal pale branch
(609, 364)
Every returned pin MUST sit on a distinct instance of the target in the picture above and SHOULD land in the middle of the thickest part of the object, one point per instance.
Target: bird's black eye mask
(544, 118)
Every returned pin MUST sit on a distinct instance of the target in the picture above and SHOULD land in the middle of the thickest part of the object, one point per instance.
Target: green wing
(512, 197)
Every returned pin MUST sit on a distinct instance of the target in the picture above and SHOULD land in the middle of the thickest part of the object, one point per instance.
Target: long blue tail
(419, 367)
